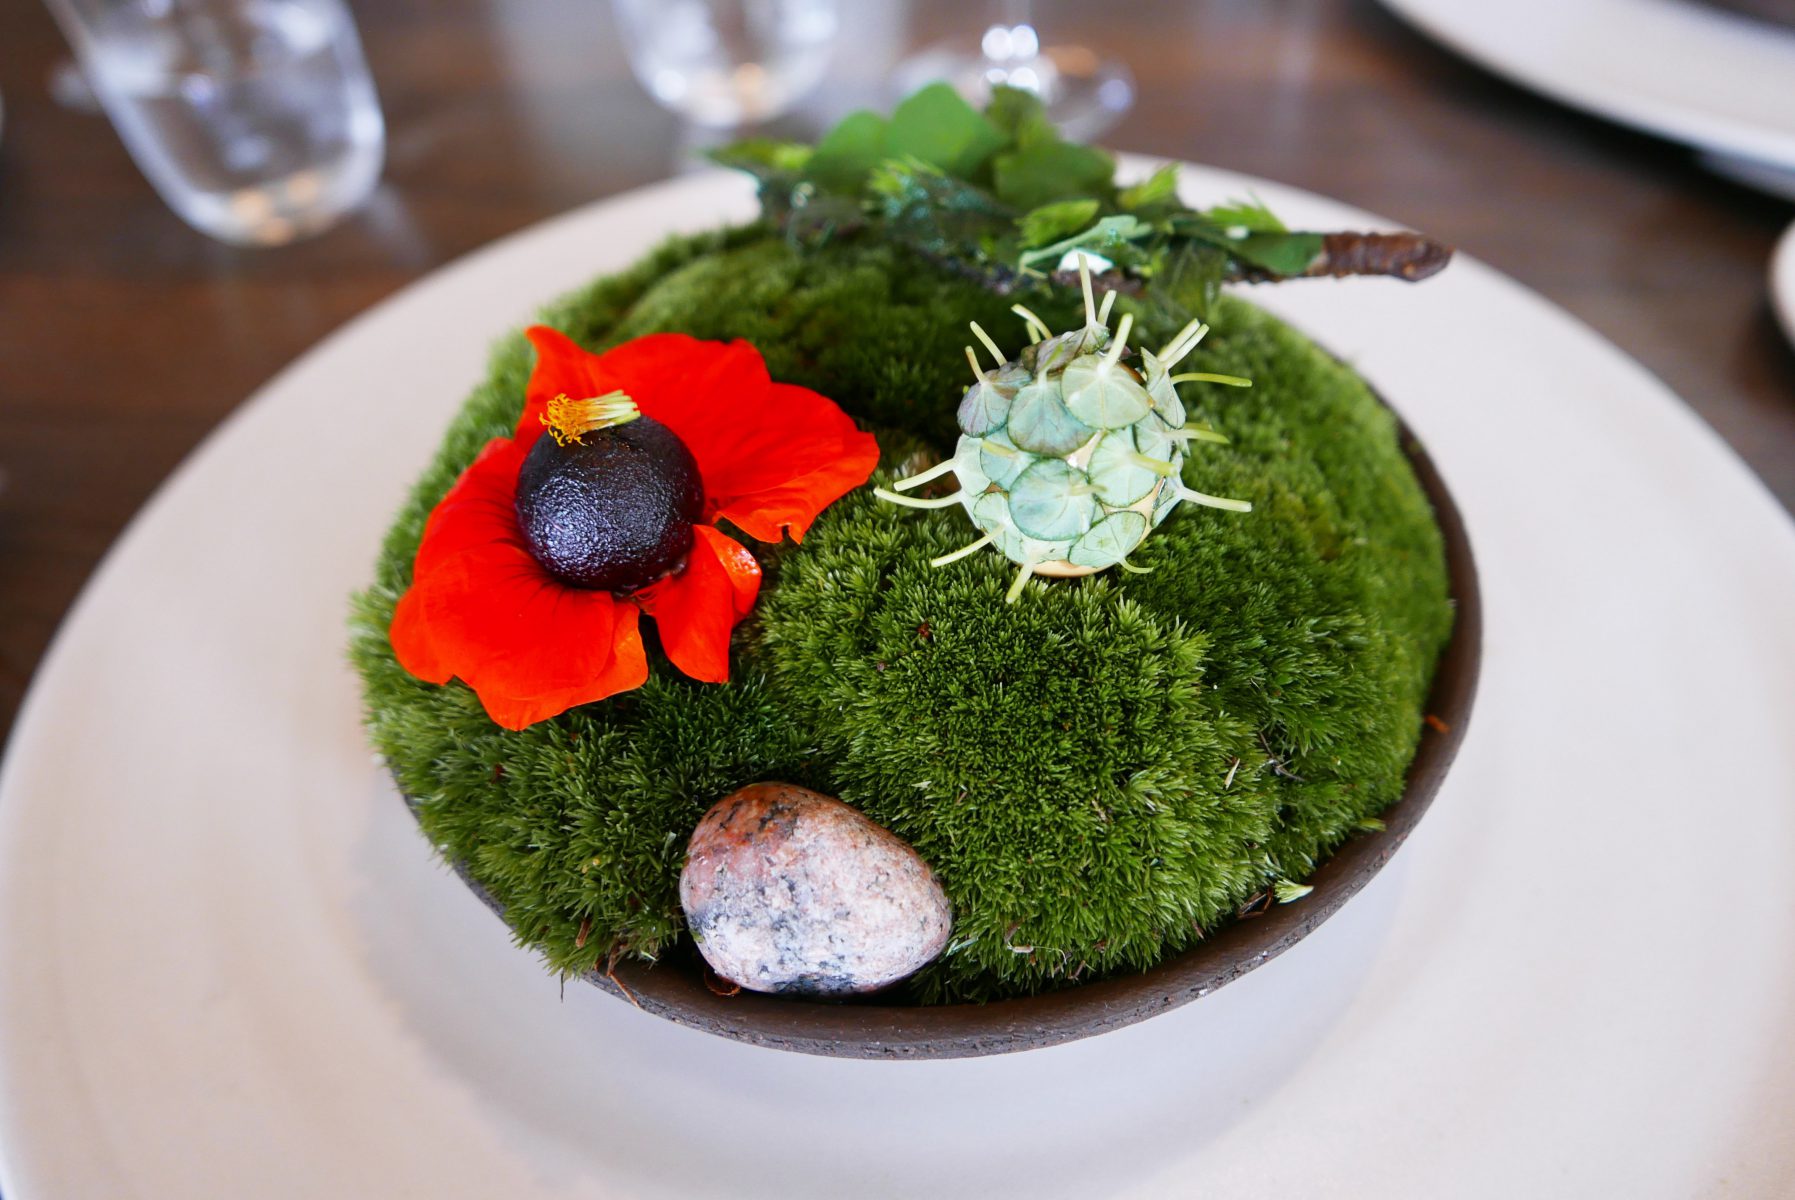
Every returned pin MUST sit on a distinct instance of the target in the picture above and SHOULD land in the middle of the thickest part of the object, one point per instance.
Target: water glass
(723, 63)
(255, 120)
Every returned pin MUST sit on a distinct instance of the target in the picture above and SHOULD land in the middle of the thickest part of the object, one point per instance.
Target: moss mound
(1098, 773)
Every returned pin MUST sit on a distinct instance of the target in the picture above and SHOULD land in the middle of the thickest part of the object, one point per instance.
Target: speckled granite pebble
(788, 890)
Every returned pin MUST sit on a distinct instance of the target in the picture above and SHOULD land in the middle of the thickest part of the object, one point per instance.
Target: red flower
(771, 456)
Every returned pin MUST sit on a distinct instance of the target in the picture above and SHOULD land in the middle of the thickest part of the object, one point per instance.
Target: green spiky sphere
(1069, 456)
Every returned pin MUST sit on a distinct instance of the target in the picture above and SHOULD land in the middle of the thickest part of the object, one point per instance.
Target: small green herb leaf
(1250, 215)
(1110, 237)
(1156, 188)
(937, 127)
(763, 158)
(1279, 253)
(1051, 171)
(848, 152)
(1019, 116)
(1050, 222)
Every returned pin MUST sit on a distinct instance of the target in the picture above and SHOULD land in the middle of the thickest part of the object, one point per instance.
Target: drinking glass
(255, 120)
(724, 63)
(1083, 92)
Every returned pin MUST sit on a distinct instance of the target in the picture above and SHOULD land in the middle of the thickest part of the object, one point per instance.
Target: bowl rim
(681, 990)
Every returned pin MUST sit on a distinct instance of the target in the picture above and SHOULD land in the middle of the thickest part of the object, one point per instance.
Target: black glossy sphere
(614, 510)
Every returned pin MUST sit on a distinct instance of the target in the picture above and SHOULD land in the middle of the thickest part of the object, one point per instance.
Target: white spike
(1037, 328)
(1115, 351)
(962, 552)
(1021, 579)
(977, 371)
(1109, 302)
(1175, 349)
(1084, 281)
(1208, 501)
(1164, 470)
(1185, 346)
(913, 502)
(934, 472)
(989, 344)
(1210, 377)
(1193, 433)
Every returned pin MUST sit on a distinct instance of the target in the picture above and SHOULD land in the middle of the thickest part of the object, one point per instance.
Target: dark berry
(613, 510)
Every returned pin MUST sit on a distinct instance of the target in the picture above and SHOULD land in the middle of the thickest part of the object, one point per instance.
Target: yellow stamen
(571, 420)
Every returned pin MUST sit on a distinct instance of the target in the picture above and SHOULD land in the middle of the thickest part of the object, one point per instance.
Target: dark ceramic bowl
(680, 989)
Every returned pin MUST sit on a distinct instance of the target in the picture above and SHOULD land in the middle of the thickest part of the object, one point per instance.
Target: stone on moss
(787, 890)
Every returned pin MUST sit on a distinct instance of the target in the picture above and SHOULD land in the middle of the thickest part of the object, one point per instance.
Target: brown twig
(611, 974)
(712, 980)
(1408, 256)
(1256, 906)
(1401, 255)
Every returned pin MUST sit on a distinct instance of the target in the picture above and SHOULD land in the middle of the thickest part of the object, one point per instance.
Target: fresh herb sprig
(1001, 197)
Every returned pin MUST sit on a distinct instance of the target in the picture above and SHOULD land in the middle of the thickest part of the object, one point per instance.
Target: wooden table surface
(125, 337)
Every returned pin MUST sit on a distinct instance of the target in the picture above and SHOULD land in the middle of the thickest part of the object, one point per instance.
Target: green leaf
(937, 127)
(1279, 253)
(1120, 477)
(849, 152)
(1250, 215)
(1110, 540)
(1021, 118)
(1188, 279)
(1048, 501)
(1230, 229)
(984, 408)
(763, 158)
(1104, 394)
(1051, 222)
(1156, 188)
(1110, 237)
(1001, 460)
(1051, 171)
(1040, 424)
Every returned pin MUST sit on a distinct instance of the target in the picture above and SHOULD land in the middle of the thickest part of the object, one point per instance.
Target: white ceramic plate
(1678, 68)
(232, 967)
(1782, 281)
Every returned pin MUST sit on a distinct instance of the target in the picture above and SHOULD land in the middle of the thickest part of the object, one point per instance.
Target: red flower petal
(772, 455)
(802, 456)
(697, 609)
(628, 670)
(481, 608)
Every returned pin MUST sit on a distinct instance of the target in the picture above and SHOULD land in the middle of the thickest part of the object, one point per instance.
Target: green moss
(1098, 772)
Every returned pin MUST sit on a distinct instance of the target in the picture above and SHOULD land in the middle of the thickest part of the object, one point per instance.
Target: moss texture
(1098, 772)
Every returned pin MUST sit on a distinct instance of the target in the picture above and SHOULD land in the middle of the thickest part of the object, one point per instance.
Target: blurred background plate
(1782, 282)
(234, 969)
(1697, 73)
